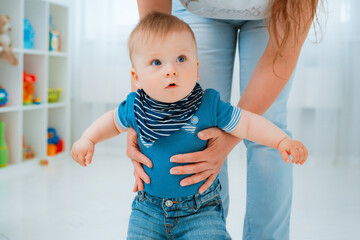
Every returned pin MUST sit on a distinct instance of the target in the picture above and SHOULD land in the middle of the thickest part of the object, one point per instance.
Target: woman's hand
(137, 159)
(206, 164)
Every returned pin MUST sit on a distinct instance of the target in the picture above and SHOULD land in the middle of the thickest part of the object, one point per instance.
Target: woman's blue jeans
(269, 178)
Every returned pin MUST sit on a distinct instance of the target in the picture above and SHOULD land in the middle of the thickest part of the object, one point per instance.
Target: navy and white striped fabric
(235, 116)
(157, 119)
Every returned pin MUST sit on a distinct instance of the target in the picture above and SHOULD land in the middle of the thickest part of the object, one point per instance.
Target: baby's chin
(170, 98)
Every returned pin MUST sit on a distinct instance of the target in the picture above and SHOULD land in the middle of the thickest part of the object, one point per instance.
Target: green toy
(4, 153)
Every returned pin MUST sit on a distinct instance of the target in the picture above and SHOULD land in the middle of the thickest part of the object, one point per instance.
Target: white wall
(324, 104)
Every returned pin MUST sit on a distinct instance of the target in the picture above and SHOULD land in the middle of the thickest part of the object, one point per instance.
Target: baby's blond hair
(155, 25)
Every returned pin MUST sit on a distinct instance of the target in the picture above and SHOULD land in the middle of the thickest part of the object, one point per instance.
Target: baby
(167, 111)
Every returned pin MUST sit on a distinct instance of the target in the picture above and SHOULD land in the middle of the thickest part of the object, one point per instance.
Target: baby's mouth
(171, 85)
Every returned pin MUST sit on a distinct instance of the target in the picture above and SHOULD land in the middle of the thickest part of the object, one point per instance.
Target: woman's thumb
(208, 133)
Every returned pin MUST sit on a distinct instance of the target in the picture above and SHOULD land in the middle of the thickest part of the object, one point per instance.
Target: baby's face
(167, 69)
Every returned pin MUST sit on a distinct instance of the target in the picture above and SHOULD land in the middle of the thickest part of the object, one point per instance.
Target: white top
(227, 9)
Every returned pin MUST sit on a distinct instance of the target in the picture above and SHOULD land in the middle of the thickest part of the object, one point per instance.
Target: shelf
(15, 50)
(52, 70)
(13, 10)
(36, 13)
(58, 54)
(57, 105)
(34, 52)
(32, 107)
(12, 135)
(8, 109)
(10, 81)
(60, 16)
(34, 130)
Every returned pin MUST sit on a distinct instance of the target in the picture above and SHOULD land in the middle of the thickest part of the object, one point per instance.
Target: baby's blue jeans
(269, 178)
(188, 218)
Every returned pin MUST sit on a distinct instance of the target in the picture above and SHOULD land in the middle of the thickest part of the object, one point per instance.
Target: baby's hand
(288, 147)
(82, 151)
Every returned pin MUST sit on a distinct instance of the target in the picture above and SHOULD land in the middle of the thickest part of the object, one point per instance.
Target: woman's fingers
(189, 157)
(139, 171)
(135, 155)
(133, 151)
(195, 178)
(191, 168)
(139, 184)
(209, 133)
(207, 183)
(137, 159)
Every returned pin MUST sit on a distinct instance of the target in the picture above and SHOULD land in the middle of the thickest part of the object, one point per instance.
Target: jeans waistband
(188, 204)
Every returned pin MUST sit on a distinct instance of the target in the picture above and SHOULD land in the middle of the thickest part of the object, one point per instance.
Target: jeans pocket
(133, 205)
(222, 210)
(212, 202)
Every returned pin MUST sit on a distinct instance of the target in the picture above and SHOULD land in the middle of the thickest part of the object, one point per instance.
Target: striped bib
(156, 119)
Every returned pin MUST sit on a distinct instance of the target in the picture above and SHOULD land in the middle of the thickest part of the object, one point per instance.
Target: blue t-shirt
(212, 112)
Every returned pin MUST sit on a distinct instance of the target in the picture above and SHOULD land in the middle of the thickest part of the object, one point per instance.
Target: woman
(270, 35)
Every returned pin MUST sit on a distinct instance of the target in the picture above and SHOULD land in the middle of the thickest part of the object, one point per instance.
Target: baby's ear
(135, 79)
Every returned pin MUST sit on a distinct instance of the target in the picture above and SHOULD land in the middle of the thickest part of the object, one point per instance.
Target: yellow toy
(54, 95)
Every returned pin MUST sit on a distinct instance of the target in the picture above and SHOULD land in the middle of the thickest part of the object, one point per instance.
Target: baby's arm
(103, 128)
(260, 130)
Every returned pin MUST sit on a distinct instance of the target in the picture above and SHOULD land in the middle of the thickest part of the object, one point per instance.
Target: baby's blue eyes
(180, 59)
(156, 63)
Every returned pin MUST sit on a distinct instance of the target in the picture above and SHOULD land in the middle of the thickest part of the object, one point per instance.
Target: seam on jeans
(175, 223)
(247, 215)
(202, 204)
(168, 233)
(252, 28)
(211, 203)
(222, 210)
(153, 202)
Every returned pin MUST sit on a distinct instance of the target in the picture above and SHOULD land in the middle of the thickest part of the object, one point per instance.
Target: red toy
(55, 144)
(29, 88)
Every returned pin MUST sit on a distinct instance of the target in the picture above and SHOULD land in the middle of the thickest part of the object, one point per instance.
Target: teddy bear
(6, 52)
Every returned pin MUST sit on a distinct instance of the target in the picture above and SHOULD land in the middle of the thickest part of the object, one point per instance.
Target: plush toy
(6, 52)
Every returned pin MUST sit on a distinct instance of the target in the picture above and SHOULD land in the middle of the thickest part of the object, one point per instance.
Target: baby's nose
(171, 73)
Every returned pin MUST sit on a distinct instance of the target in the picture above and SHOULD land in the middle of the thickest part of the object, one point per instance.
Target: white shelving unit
(52, 70)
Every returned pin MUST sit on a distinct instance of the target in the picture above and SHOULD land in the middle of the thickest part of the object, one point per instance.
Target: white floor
(64, 201)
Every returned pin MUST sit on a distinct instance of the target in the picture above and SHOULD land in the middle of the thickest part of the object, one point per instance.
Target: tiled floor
(64, 201)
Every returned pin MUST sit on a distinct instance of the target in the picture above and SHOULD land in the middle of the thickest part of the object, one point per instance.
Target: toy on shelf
(37, 101)
(55, 144)
(6, 52)
(29, 89)
(44, 162)
(28, 150)
(54, 95)
(4, 152)
(29, 34)
(3, 96)
(54, 38)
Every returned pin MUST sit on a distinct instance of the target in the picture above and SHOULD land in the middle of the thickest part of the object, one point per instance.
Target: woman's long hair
(293, 17)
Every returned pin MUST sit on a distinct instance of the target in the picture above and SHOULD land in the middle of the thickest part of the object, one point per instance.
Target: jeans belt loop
(197, 202)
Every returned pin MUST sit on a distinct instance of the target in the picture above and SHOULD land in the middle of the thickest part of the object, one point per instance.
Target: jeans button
(168, 203)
